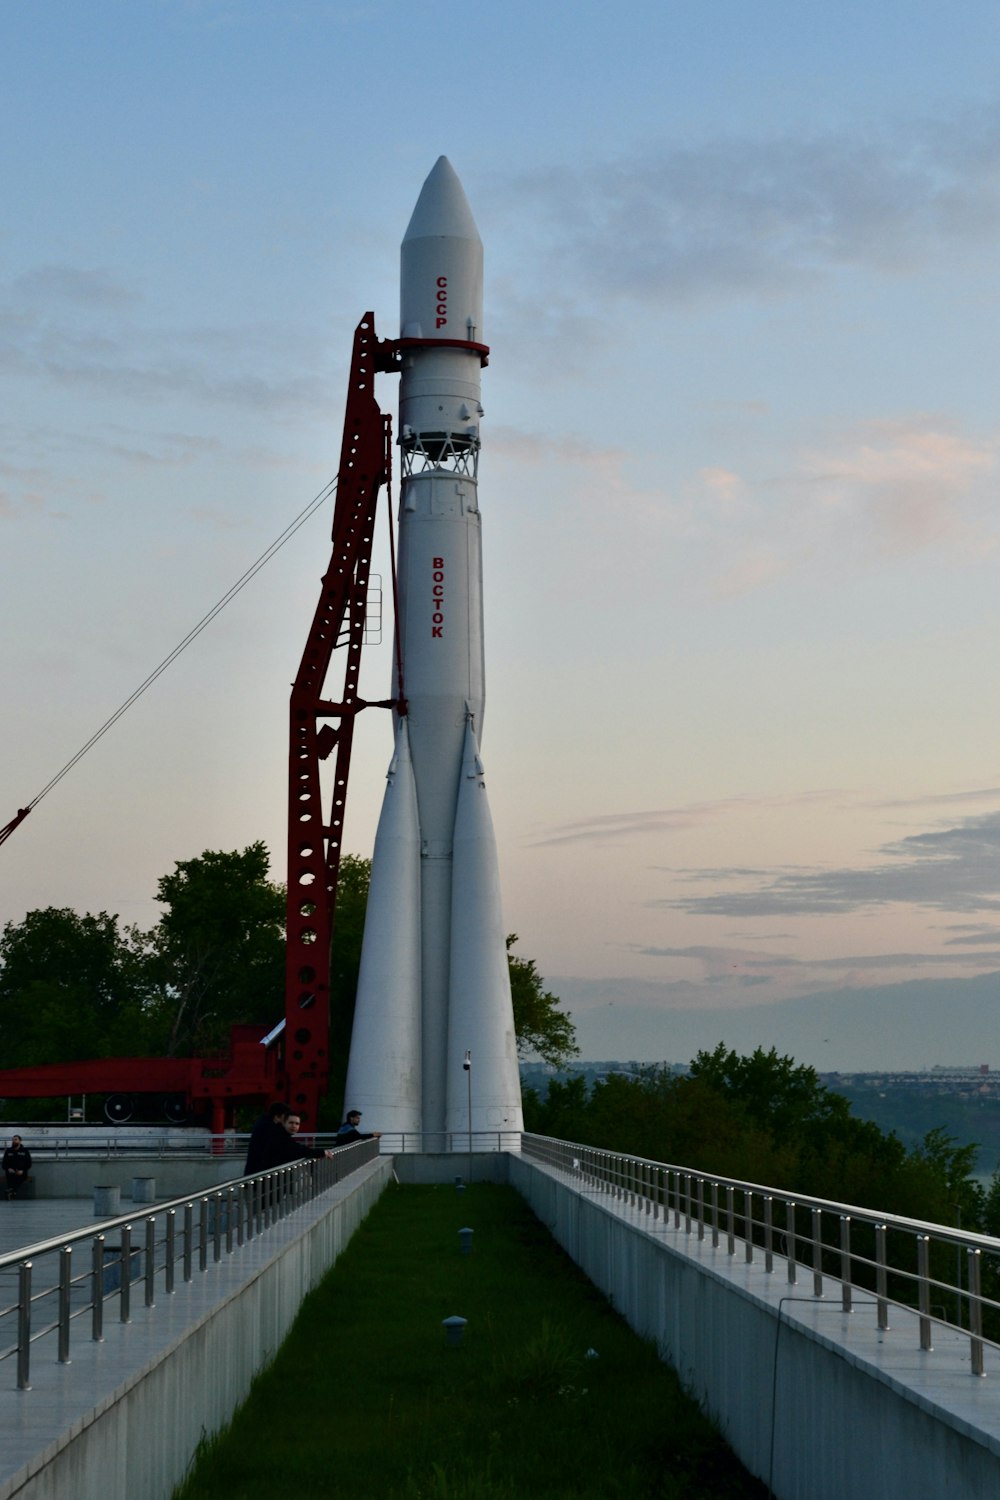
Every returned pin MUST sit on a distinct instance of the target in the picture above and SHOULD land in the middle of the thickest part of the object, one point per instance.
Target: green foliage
(540, 1026)
(70, 987)
(218, 951)
(75, 987)
(764, 1118)
(345, 960)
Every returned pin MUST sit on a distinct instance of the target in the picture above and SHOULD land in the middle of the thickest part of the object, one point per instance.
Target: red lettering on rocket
(442, 302)
(437, 598)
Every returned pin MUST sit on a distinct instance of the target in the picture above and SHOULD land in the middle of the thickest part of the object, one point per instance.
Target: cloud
(619, 826)
(767, 217)
(71, 328)
(888, 489)
(911, 483)
(82, 287)
(950, 869)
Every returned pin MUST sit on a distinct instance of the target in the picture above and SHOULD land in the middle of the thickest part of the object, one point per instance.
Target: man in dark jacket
(282, 1147)
(16, 1165)
(262, 1135)
(349, 1131)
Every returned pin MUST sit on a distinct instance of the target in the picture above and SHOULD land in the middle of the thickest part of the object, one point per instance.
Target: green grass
(550, 1394)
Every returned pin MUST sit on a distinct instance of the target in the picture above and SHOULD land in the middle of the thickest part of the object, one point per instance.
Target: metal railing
(166, 1143)
(449, 1142)
(48, 1287)
(946, 1277)
(115, 1142)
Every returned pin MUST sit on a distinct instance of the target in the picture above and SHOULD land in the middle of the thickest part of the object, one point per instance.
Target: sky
(738, 482)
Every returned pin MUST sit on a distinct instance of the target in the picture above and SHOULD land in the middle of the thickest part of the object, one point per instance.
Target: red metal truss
(315, 841)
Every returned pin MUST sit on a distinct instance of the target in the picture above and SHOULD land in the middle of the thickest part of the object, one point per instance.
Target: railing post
(65, 1285)
(169, 1251)
(97, 1289)
(974, 1262)
(768, 1232)
(881, 1278)
(731, 1220)
(817, 1249)
(748, 1226)
(924, 1290)
(232, 1197)
(203, 1235)
(217, 1199)
(790, 1246)
(700, 1206)
(24, 1326)
(151, 1261)
(845, 1262)
(125, 1290)
(715, 1214)
(188, 1239)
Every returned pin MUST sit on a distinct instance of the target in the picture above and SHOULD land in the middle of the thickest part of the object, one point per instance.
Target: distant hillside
(902, 1026)
(912, 1113)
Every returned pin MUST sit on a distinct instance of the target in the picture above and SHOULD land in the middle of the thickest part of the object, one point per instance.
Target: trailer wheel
(118, 1108)
(175, 1109)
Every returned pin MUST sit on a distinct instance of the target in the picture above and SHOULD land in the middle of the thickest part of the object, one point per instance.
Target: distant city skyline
(738, 481)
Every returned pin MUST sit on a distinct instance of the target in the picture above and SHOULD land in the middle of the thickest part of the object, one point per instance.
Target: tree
(539, 1025)
(775, 1091)
(71, 986)
(219, 949)
(353, 881)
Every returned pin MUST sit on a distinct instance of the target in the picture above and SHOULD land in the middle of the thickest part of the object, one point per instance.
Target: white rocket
(434, 988)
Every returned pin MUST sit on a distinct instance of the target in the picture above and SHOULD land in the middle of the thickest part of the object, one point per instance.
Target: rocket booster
(434, 981)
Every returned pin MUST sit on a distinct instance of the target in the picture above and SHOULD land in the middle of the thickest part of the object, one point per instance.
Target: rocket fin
(384, 1072)
(480, 1013)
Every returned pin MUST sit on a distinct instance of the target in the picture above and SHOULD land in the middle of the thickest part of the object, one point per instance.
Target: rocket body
(458, 962)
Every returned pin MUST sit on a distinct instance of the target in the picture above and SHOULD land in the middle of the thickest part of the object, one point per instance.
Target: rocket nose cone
(442, 208)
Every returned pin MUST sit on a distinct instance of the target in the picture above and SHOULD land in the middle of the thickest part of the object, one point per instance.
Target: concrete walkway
(26, 1221)
(66, 1398)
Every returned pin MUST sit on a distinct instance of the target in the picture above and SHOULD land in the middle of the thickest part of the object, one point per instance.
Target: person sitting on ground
(16, 1164)
(258, 1148)
(282, 1147)
(349, 1131)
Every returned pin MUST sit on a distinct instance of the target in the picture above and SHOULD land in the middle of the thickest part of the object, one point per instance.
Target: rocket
(433, 1050)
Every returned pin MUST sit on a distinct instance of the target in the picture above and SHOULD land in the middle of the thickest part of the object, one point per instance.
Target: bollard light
(465, 1241)
(454, 1327)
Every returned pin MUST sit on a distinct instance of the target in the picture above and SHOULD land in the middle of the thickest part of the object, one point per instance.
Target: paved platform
(27, 1221)
(64, 1397)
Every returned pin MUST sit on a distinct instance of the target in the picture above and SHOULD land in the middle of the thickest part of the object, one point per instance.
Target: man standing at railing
(281, 1147)
(349, 1131)
(262, 1135)
(16, 1165)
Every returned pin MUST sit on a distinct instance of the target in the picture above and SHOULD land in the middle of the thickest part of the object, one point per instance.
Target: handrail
(905, 1263)
(215, 1221)
(176, 1143)
(449, 1142)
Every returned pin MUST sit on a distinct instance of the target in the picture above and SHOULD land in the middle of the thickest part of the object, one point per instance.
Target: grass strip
(549, 1395)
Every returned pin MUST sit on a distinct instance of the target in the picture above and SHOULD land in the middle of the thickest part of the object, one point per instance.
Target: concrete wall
(428, 1167)
(137, 1442)
(856, 1413)
(75, 1177)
